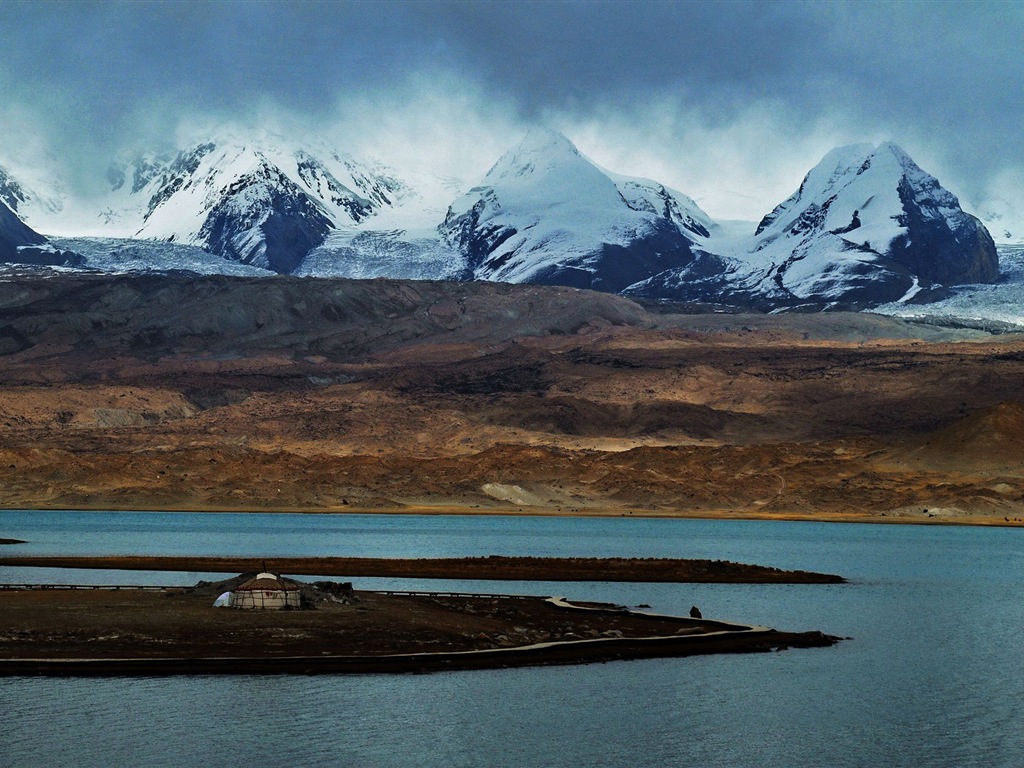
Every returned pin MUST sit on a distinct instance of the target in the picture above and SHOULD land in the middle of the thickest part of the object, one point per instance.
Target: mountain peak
(894, 148)
(547, 214)
(542, 150)
(256, 198)
(869, 216)
(866, 174)
(864, 150)
(543, 139)
(859, 158)
(891, 152)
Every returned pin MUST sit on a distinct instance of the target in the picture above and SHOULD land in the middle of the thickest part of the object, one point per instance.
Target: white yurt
(267, 591)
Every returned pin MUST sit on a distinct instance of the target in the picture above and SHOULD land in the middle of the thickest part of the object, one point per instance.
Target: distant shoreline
(457, 510)
(650, 570)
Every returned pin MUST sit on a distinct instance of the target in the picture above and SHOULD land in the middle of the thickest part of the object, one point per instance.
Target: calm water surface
(934, 674)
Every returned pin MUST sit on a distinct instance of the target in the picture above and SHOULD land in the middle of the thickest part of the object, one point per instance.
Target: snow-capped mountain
(876, 201)
(262, 203)
(546, 214)
(867, 226)
(20, 244)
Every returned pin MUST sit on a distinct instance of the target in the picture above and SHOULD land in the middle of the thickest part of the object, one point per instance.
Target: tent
(266, 591)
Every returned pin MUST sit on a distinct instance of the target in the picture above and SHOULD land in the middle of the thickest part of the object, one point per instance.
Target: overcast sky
(730, 102)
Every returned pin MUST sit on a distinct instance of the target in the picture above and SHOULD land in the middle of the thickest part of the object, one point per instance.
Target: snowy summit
(546, 214)
(867, 226)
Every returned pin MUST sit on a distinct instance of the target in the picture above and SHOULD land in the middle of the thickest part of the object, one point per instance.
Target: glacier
(1001, 302)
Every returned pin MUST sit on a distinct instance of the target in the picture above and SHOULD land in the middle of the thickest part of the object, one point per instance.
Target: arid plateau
(270, 394)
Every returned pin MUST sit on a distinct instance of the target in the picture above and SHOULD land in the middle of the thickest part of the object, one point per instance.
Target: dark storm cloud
(899, 56)
(105, 59)
(949, 70)
(945, 77)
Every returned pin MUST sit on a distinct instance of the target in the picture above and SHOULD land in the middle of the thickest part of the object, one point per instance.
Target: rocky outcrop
(943, 246)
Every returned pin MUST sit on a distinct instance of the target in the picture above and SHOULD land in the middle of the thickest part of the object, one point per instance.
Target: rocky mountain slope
(978, 303)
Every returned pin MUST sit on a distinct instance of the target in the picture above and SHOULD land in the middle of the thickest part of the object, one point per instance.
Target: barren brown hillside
(230, 393)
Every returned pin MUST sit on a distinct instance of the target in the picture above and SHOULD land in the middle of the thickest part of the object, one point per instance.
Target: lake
(933, 674)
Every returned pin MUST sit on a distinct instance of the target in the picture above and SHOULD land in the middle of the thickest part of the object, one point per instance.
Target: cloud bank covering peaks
(728, 102)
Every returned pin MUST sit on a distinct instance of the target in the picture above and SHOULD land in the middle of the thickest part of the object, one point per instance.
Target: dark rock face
(293, 229)
(707, 279)
(611, 268)
(47, 256)
(620, 266)
(20, 244)
(14, 233)
(288, 222)
(475, 240)
(947, 250)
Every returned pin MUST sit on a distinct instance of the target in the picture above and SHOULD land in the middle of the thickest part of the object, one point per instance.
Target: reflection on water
(932, 676)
